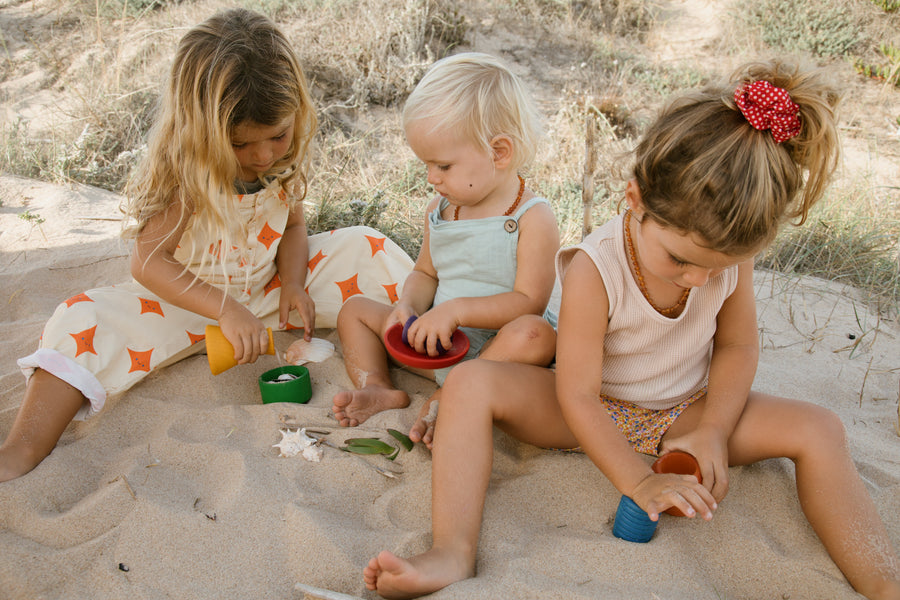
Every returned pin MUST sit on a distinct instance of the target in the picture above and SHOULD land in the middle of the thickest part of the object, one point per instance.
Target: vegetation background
(79, 81)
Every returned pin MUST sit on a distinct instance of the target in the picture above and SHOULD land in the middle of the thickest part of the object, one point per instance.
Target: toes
(417, 431)
(342, 400)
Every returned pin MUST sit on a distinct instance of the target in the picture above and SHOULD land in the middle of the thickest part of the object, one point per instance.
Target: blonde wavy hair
(702, 168)
(476, 94)
(234, 68)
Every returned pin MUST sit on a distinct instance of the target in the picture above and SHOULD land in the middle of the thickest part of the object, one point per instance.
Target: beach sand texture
(176, 491)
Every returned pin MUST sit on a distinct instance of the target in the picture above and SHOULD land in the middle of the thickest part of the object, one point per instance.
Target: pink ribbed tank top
(650, 360)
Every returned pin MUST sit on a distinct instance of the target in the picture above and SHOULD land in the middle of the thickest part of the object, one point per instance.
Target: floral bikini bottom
(644, 427)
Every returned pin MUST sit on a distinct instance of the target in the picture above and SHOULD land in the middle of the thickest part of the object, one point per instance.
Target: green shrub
(887, 5)
(823, 28)
(850, 238)
(889, 72)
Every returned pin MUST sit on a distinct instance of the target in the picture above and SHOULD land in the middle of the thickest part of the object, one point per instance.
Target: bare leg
(521, 400)
(831, 493)
(48, 408)
(528, 339)
(360, 326)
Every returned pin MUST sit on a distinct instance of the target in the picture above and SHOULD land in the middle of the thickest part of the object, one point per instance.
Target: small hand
(659, 492)
(436, 324)
(710, 447)
(293, 296)
(400, 314)
(245, 332)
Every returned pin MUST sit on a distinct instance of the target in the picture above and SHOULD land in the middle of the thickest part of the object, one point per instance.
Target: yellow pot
(220, 352)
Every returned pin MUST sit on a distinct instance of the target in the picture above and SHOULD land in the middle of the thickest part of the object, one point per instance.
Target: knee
(472, 381)
(350, 311)
(528, 339)
(823, 431)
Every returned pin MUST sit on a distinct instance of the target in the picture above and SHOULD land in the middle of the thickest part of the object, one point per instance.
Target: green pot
(298, 390)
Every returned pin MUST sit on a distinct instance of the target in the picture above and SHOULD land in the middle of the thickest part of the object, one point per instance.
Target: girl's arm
(535, 251)
(154, 266)
(731, 372)
(583, 320)
(583, 317)
(291, 260)
(421, 284)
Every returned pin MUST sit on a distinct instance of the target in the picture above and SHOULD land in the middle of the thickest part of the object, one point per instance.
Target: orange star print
(267, 236)
(151, 306)
(273, 284)
(195, 337)
(78, 298)
(391, 289)
(376, 244)
(84, 341)
(315, 260)
(140, 361)
(349, 287)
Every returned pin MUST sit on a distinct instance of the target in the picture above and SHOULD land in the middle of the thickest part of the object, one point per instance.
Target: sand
(176, 491)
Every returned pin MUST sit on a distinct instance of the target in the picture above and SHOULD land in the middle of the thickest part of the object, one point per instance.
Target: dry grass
(587, 62)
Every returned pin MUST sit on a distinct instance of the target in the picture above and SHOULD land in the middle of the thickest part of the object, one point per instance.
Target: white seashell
(286, 377)
(315, 350)
(297, 442)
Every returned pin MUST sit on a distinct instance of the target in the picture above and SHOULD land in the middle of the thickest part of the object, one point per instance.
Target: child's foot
(423, 429)
(394, 577)
(353, 407)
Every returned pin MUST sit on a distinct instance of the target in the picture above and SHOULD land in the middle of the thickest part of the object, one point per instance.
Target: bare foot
(353, 407)
(423, 429)
(394, 577)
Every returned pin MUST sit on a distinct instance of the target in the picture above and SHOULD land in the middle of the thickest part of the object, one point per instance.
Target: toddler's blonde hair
(477, 95)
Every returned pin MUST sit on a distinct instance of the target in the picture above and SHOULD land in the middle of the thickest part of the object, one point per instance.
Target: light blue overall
(474, 258)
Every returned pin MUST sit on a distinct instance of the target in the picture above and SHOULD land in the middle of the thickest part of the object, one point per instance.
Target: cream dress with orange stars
(105, 340)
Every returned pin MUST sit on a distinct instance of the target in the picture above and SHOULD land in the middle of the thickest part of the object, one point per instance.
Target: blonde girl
(657, 340)
(219, 237)
(485, 264)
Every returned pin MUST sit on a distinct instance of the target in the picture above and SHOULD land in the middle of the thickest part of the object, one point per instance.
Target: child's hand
(245, 332)
(710, 447)
(401, 313)
(659, 492)
(294, 297)
(438, 323)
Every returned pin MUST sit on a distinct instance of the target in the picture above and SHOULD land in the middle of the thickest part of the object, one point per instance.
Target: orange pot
(680, 463)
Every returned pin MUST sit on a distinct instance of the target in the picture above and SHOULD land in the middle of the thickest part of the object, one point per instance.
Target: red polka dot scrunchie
(768, 107)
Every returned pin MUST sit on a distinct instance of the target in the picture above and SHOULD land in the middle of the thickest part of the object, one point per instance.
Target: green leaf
(402, 438)
(362, 441)
(368, 446)
(363, 450)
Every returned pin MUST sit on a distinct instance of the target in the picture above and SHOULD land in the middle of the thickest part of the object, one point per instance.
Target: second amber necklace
(671, 311)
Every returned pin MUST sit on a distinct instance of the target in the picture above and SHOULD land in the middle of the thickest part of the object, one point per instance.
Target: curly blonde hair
(234, 68)
(701, 167)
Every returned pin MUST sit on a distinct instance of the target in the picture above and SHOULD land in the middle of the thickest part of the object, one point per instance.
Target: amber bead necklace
(509, 210)
(671, 311)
